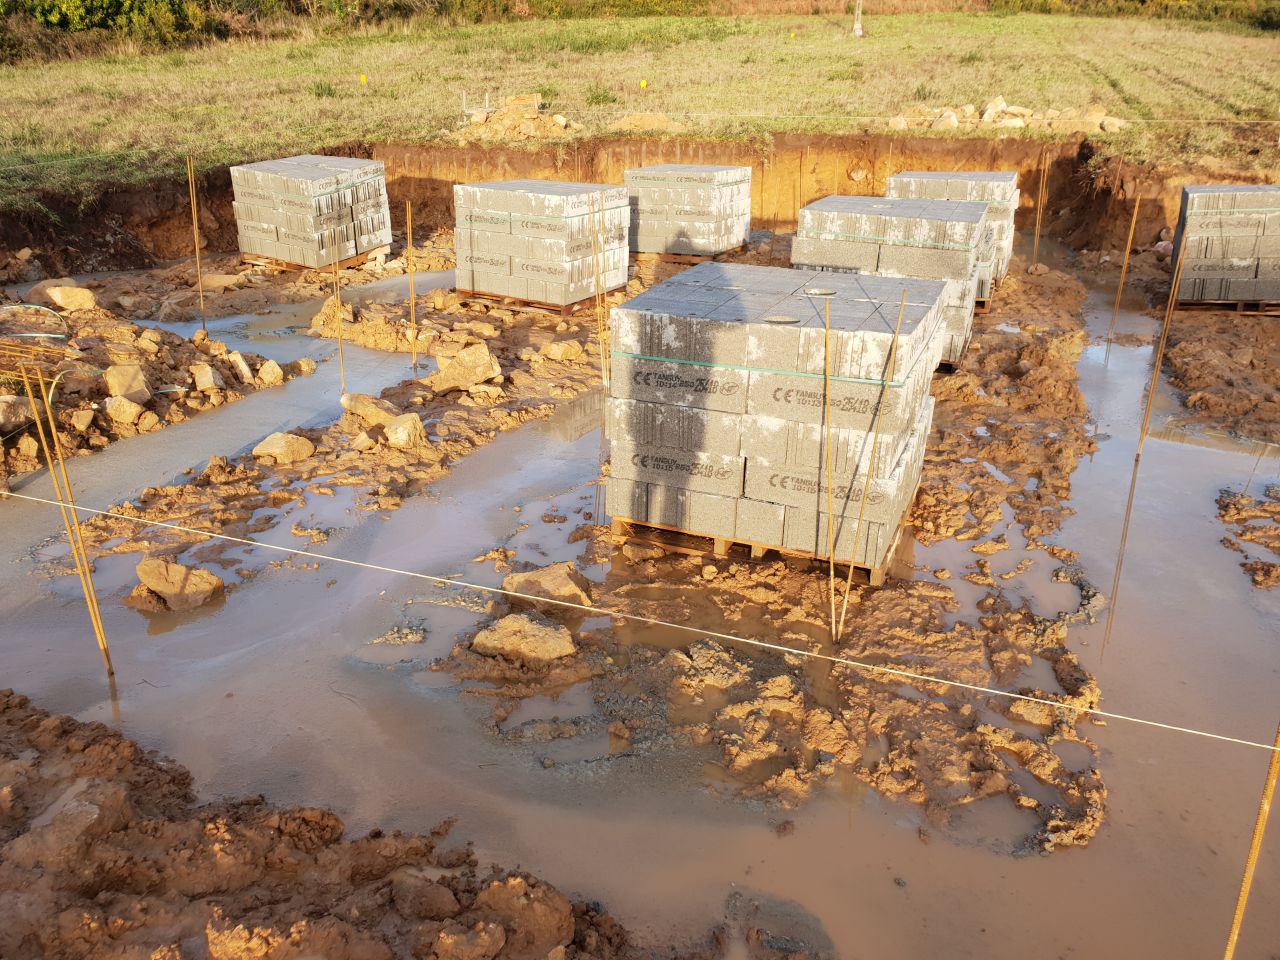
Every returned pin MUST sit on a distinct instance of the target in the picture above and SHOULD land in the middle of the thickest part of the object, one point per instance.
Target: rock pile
(519, 118)
(997, 114)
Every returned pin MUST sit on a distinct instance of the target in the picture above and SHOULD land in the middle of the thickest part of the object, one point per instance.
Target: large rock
(471, 365)
(526, 638)
(271, 374)
(72, 299)
(206, 377)
(15, 412)
(405, 432)
(241, 366)
(560, 581)
(220, 282)
(483, 941)
(947, 121)
(993, 109)
(127, 380)
(371, 410)
(123, 410)
(285, 448)
(181, 588)
(536, 916)
(40, 292)
(418, 897)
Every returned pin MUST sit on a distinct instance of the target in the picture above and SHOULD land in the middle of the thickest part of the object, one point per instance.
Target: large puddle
(280, 692)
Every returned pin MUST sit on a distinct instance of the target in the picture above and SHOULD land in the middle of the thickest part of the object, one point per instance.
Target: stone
(471, 365)
(1163, 250)
(206, 377)
(560, 581)
(221, 282)
(536, 916)
(947, 121)
(241, 366)
(405, 432)
(483, 941)
(371, 410)
(526, 638)
(1038, 269)
(639, 552)
(40, 292)
(15, 413)
(993, 109)
(72, 299)
(1012, 123)
(362, 442)
(304, 366)
(563, 350)
(1111, 124)
(123, 410)
(148, 422)
(271, 374)
(898, 123)
(181, 587)
(418, 897)
(285, 448)
(127, 380)
(81, 420)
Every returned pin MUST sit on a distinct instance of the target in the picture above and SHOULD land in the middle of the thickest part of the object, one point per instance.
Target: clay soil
(1254, 523)
(776, 726)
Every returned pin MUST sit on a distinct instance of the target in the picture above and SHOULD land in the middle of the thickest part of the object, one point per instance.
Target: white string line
(603, 611)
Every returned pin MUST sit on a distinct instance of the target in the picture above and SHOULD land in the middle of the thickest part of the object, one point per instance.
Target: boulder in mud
(302, 367)
(483, 941)
(270, 374)
(563, 350)
(127, 380)
(371, 410)
(526, 638)
(405, 432)
(15, 412)
(81, 420)
(206, 377)
(241, 366)
(536, 916)
(560, 581)
(72, 299)
(471, 365)
(284, 448)
(221, 282)
(180, 587)
(123, 410)
(418, 897)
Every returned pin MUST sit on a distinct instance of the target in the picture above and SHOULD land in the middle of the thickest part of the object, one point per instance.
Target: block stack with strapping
(718, 416)
(997, 189)
(689, 209)
(541, 241)
(1228, 240)
(927, 239)
(311, 210)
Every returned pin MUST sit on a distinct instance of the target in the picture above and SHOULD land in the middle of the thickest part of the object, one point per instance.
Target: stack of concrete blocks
(889, 237)
(541, 240)
(1228, 239)
(691, 209)
(998, 189)
(311, 210)
(718, 420)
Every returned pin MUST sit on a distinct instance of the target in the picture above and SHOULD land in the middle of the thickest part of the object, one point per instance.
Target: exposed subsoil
(776, 725)
(106, 853)
(1254, 523)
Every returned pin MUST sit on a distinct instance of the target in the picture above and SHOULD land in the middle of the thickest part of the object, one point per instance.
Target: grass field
(78, 127)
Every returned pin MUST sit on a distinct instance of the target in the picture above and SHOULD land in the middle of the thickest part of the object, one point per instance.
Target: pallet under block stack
(887, 237)
(541, 241)
(717, 417)
(1228, 240)
(689, 209)
(997, 189)
(311, 211)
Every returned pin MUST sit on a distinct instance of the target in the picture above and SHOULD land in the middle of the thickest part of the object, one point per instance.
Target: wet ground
(280, 692)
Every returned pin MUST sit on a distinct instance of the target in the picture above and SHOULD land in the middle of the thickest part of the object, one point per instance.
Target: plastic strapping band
(873, 381)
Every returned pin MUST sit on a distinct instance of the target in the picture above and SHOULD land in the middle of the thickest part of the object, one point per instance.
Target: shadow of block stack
(540, 240)
(1228, 238)
(926, 239)
(717, 418)
(311, 211)
(997, 189)
(689, 209)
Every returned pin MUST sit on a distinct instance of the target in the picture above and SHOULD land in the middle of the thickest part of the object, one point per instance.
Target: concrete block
(701, 472)
(1243, 269)
(666, 425)
(868, 546)
(626, 498)
(812, 251)
(761, 523)
(680, 384)
(912, 261)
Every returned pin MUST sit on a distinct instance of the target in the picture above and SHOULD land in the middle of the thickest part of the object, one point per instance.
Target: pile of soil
(105, 853)
(518, 118)
(97, 341)
(1254, 523)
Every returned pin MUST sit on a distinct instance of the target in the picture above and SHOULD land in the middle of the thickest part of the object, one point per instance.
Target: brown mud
(105, 853)
(776, 726)
(1254, 523)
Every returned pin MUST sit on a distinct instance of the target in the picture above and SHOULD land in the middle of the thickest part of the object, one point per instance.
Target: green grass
(1192, 85)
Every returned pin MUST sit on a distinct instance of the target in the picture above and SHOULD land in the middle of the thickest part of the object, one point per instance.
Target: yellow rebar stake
(195, 234)
(826, 419)
(1044, 180)
(875, 444)
(1124, 272)
(1255, 846)
(337, 303)
(1170, 309)
(32, 380)
(408, 259)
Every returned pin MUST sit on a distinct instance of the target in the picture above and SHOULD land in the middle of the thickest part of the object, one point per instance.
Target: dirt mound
(1254, 522)
(106, 854)
(519, 118)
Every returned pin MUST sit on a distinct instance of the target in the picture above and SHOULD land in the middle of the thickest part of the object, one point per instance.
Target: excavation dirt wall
(1087, 205)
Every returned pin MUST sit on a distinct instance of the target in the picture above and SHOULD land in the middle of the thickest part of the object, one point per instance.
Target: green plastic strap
(786, 373)
(932, 245)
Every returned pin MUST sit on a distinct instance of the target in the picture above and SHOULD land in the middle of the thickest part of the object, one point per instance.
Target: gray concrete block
(914, 261)
(702, 472)
(626, 498)
(1245, 269)
(677, 383)
(810, 251)
(687, 174)
(774, 442)
(867, 545)
(762, 523)
(667, 425)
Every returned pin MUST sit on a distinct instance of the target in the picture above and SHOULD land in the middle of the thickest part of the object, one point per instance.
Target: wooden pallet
(688, 259)
(519, 303)
(981, 305)
(1266, 308)
(360, 258)
(675, 540)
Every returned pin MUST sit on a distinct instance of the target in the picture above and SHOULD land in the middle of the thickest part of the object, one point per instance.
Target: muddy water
(279, 692)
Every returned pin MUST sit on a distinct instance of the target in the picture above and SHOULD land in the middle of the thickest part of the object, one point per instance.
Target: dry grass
(730, 77)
